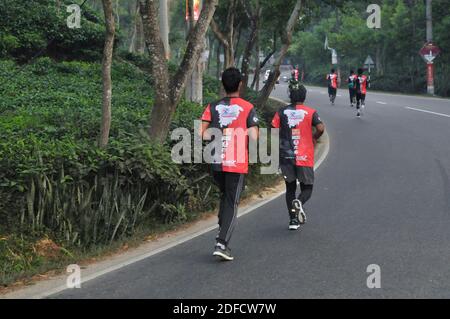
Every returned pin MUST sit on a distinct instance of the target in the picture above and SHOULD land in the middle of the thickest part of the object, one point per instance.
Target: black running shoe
(294, 223)
(223, 252)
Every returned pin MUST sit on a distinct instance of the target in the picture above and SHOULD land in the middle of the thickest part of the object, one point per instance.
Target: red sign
(429, 52)
(196, 9)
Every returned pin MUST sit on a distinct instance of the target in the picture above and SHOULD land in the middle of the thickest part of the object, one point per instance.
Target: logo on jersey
(228, 113)
(295, 117)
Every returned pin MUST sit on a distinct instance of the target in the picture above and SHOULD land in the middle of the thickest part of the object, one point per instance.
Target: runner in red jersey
(237, 120)
(295, 75)
(297, 141)
(332, 79)
(352, 87)
(361, 90)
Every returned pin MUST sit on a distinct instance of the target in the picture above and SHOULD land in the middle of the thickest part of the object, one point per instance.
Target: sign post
(429, 52)
(369, 64)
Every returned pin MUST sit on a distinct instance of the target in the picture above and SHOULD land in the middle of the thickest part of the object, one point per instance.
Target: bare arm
(320, 129)
(203, 129)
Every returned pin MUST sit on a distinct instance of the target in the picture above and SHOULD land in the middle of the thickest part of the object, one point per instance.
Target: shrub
(27, 28)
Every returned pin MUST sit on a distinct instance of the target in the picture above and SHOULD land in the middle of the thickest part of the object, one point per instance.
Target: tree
(164, 25)
(168, 89)
(137, 44)
(194, 85)
(287, 39)
(227, 37)
(253, 15)
(106, 73)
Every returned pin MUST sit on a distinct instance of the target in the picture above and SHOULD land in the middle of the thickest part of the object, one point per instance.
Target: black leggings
(291, 189)
(231, 186)
(352, 95)
(360, 99)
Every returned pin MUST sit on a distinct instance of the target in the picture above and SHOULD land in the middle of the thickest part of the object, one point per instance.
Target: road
(381, 197)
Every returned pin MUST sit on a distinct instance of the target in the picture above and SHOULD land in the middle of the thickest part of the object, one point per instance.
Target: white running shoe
(297, 204)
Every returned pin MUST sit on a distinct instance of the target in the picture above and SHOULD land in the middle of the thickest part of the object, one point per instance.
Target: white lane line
(323, 93)
(339, 95)
(424, 111)
(382, 103)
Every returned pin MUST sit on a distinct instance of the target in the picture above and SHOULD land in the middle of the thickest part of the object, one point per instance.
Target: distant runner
(295, 74)
(297, 142)
(233, 116)
(352, 87)
(332, 85)
(361, 91)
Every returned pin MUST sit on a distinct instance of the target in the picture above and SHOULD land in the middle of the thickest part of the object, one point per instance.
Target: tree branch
(219, 35)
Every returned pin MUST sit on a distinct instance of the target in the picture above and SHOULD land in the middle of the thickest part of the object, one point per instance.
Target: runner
(237, 119)
(295, 74)
(332, 85)
(361, 91)
(297, 141)
(352, 88)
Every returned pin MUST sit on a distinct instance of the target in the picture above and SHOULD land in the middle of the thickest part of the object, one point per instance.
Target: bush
(26, 29)
(54, 179)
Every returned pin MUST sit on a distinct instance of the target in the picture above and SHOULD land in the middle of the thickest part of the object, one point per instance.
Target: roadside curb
(46, 288)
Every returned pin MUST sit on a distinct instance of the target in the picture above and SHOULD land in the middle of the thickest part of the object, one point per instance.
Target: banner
(196, 9)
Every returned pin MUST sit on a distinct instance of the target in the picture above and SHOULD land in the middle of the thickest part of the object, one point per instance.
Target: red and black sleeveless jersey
(233, 116)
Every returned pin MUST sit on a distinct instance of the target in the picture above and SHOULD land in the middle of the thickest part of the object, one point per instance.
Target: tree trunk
(227, 39)
(257, 66)
(140, 37)
(253, 16)
(117, 14)
(219, 64)
(168, 90)
(194, 86)
(164, 26)
(106, 73)
(133, 37)
(270, 84)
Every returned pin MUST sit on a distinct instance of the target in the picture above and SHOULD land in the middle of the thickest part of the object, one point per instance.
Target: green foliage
(394, 47)
(27, 27)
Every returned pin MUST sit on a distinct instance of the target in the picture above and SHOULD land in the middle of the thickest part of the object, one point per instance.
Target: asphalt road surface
(381, 197)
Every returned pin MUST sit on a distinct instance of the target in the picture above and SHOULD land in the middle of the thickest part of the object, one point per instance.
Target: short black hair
(332, 71)
(297, 94)
(352, 72)
(231, 78)
(360, 71)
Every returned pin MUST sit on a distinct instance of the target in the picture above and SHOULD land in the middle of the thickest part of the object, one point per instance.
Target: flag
(196, 10)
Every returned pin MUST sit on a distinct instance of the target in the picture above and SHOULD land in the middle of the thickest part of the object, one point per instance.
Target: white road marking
(424, 111)
(382, 103)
